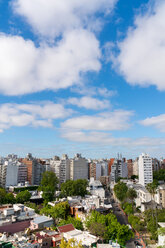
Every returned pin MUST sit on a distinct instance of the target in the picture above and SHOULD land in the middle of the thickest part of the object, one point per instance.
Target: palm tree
(152, 187)
(131, 194)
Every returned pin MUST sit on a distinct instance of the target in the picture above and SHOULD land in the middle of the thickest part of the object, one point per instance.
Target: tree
(151, 187)
(77, 223)
(124, 234)
(74, 188)
(128, 209)
(159, 175)
(120, 190)
(80, 187)
(23, 196)
(133, 177)
(48, 185)
(67, 188)
(2, 196)
(131, 194)
(113, 229)
(71, 243)
(135, 222)
(97, 229)
(9, 198)
(60, 210)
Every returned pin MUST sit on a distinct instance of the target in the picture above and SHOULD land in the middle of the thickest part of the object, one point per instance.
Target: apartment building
(35, 169)
(119, 169)
(136, 167)
(130, 167)
(145, 169)
(78, 168)
(61, 167)
(94, 170)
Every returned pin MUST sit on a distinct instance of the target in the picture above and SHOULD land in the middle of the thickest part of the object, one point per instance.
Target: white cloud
(26, 68)
(83, 89)
(117, 120)
(104, 138)
(89, 103)
(37, 115)
(54, 17)
(156, 121)
(142, 53)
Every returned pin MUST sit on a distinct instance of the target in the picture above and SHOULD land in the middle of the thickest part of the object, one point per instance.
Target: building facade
(145, 169)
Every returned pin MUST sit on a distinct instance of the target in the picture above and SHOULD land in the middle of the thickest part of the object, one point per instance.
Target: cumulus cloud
(117, 120)
(104, 138)
(142, 53)
(26, 68)
(53, 18)
(89, 103)
(156, 121)
(36, 115)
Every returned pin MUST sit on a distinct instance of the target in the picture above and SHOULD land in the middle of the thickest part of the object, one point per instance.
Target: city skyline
(86, 78)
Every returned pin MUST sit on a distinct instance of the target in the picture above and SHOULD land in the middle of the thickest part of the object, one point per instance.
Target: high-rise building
(35, 169)
(130, 167)
(94, 170)
(119, 169)
(145, 169)
(61, 167)
(136, 167)
(12, 171)
(78, 168)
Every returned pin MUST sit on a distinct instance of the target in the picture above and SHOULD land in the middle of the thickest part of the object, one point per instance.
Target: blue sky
(82, 76)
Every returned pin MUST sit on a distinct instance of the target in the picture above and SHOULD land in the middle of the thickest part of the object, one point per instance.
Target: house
(149, 205)
(96, 188)
(69, 232)
(41, 222)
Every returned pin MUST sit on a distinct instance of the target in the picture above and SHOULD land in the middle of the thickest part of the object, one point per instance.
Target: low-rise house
(41, 222)
(69, 232)
(149, 205)
(96, 188)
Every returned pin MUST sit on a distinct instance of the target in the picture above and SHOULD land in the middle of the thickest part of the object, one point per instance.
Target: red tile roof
(66, 228)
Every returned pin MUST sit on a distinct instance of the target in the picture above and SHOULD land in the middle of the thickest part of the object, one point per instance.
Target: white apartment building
(12, 171)
(78, 168)
(61, 167)
(145, 169)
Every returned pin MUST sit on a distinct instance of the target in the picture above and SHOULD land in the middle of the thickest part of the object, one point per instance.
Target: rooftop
(41, 219)
(66, 228)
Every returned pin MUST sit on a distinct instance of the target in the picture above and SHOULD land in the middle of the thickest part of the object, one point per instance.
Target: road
(122, 219)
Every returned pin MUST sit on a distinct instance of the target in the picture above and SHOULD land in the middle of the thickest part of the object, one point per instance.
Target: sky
(82, 77)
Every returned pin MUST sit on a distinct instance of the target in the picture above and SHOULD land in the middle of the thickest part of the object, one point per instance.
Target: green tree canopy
(2, 196)
(48, 185)
(59, 211)
(9, 198)
(77, 223)
(131, 194)
(23, 196)
(74, 188)
(159, 175)
(123, 234)
(120, 190)
(113, 229)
